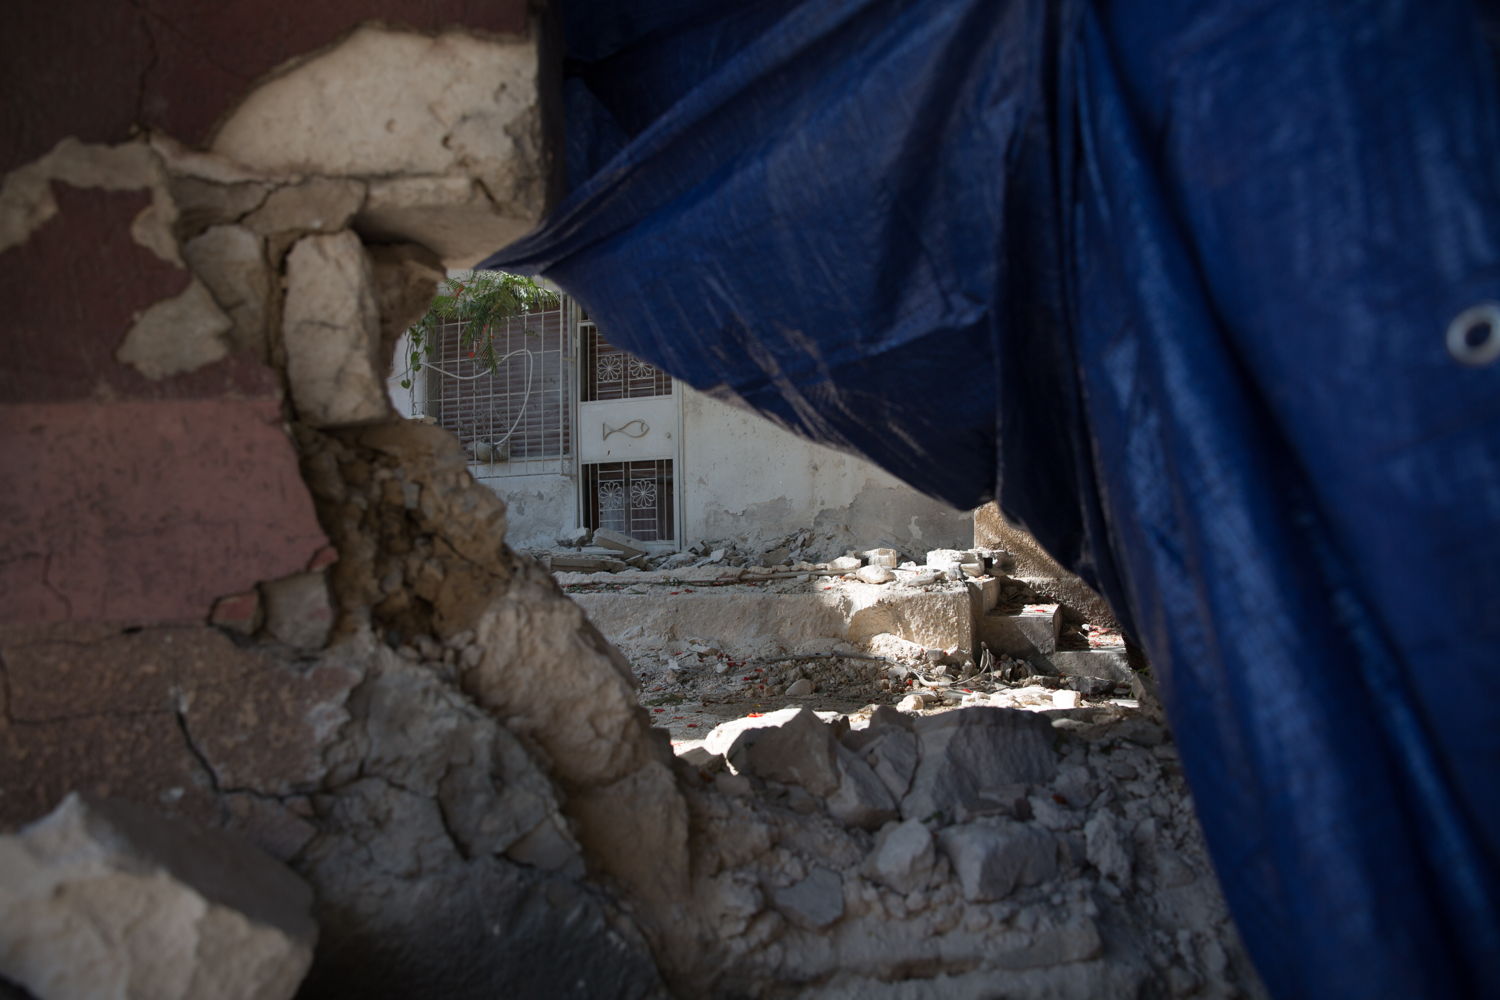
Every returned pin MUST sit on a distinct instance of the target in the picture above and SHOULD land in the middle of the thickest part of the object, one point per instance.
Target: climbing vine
(480, 300)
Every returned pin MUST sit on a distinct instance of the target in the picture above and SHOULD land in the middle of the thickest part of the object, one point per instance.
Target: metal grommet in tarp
(1474, 335)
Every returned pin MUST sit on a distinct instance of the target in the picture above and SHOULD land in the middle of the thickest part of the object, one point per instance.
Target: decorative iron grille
(610, 373)
(630, 497)
(516, 420)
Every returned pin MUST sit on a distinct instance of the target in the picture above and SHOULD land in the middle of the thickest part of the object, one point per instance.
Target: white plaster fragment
(177, 335)
(105, 899)
(332, 333)
(446, 128)
(389, 102)
(27, 202)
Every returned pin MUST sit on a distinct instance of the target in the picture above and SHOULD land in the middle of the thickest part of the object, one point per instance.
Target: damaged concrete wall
(240, 590)
(747, 479)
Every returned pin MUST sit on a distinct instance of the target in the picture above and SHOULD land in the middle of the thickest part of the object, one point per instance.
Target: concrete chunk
(862, 799)
(1110, 664)
(903, 857)
(799, 751)
(331, 330)
(1028, 633)
(976, 761)
(105, 898)
(619, 541)
(299, 610)
(992, 857)
(893, 757)
(814, 902)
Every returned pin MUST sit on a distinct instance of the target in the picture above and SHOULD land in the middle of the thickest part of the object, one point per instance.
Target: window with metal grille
(515, 420)
(631, 497)
(610, 373)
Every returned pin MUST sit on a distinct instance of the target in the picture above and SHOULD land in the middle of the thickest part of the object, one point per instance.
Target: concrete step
(1030, 632)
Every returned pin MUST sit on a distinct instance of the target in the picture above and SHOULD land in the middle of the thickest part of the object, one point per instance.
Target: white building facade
(573, 432)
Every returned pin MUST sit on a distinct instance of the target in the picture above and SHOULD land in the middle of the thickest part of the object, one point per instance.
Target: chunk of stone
(892, 755)
(177, 335)
(844, 564)
(903, 856)
(913, 702)
(861, 798)
(921, 577)
(976, 762)
(331, 330)
(888, 558)
(1111, 664)
(202, 203)
(722, 737)
(104, 898)
(813, 903)
(619, 541)
(317, 204)
(799, 751)
(801, 688)
(1106, 848)
(239, 613)
(874, 574)
(232, 263)
(991, 857)
(299, 611)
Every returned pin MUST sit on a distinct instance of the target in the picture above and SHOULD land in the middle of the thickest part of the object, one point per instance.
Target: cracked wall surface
(236, 587)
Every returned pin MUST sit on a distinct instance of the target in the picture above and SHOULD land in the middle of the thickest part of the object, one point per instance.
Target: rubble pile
(1034, 853)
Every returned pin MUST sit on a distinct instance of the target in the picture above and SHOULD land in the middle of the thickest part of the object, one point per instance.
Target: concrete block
(1110, 664)
(984, 594)
(1030, 633)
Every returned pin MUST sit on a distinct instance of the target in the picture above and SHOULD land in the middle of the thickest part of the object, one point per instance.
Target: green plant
(480, 300)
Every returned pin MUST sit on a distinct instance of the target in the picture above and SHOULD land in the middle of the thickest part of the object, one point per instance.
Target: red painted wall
(129, 500)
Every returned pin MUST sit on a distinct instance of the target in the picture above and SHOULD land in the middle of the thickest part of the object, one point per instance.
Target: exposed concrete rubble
(331, 332)
(105, 898)
(446, 127)
(1028, 858)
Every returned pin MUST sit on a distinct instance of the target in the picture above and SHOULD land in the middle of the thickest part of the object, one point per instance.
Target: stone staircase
(1013, 620)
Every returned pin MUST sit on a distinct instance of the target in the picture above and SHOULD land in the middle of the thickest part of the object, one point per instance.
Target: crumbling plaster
(239, 589)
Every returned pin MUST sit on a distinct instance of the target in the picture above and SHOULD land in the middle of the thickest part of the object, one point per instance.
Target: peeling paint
(27, 202)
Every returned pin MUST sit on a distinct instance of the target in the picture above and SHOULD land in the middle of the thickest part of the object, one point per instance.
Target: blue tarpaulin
(1202, 293)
